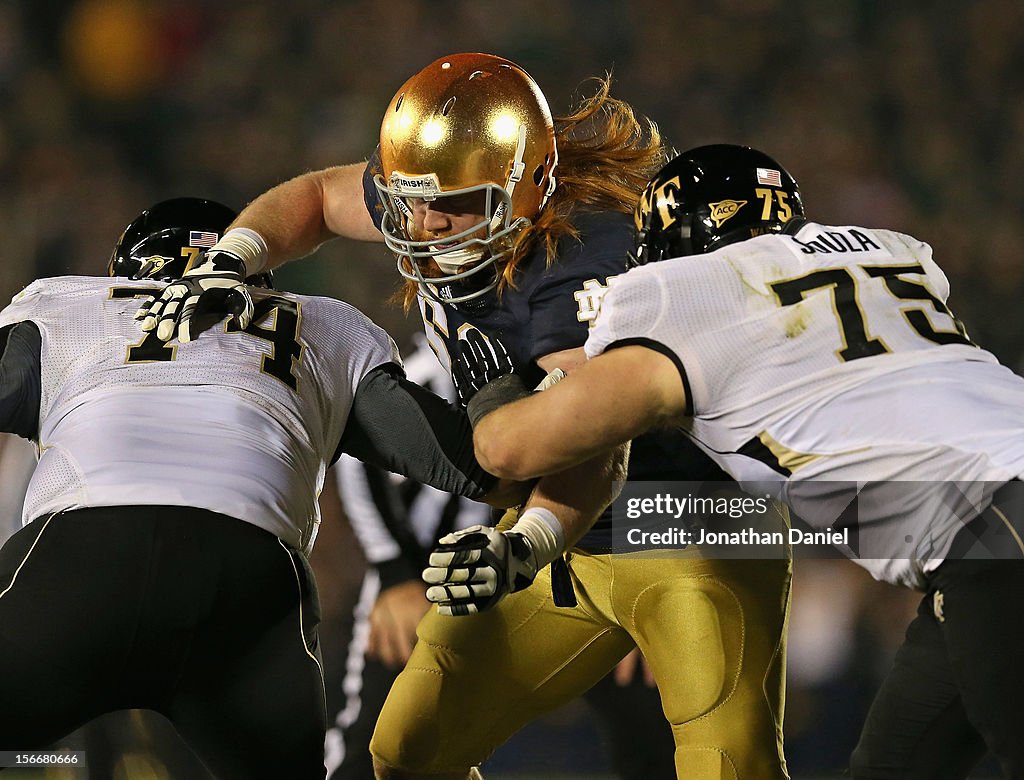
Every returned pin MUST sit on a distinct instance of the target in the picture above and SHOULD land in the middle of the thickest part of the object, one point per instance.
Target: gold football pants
(713, 633)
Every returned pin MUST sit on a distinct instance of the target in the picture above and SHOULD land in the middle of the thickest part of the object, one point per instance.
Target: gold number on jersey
(435, 326)
(780, 204)
(842, 284)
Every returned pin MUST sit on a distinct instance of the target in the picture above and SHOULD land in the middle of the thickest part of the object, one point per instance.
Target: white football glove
(215, 286)
(473, 569)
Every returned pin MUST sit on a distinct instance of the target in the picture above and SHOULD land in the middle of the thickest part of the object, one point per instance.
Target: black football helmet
(712, 196)
(165, 239)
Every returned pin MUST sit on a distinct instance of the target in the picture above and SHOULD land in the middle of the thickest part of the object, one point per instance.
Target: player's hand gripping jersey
(125, 419)
(793, 352)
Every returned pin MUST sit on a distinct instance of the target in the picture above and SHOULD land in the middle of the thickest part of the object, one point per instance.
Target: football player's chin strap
(792, 227)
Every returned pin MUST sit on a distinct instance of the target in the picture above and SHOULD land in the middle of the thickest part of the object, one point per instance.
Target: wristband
(544, 532)
(503, 390)
(247, 245)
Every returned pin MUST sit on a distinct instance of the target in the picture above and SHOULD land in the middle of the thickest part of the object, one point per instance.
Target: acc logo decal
(725, 209)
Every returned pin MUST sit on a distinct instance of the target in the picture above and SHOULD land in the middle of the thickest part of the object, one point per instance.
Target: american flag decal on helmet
(202, 238)
(769, 176)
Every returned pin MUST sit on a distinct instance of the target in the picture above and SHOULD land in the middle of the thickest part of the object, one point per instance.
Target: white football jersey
(819, 362)
(240, 423)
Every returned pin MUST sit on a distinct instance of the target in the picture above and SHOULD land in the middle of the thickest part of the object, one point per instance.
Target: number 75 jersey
(778, 320)
(240, 423)
(828, 355)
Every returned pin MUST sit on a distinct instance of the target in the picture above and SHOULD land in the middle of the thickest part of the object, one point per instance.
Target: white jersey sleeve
(245, 421)
(630, 311)
(634, 315)
(830, 356)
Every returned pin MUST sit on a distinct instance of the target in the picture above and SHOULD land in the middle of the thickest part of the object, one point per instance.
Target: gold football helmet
(466, 123)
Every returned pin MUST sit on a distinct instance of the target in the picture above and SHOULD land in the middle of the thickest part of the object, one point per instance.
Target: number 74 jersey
(240, 423)
(827, 356)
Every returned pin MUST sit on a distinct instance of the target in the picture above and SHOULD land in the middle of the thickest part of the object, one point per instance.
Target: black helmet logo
(164, 239)
(721, 194)
(156, 262)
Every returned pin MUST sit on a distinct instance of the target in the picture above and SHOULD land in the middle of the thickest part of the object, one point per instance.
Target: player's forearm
(548, 433)
(297, 216)
(579, 495)
(518, 439)
(561, 509)
(607, 401)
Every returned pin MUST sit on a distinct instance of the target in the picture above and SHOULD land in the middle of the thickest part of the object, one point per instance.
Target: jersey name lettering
(832, 241)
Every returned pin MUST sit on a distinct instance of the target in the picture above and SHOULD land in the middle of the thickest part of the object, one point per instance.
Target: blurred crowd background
(902, 115)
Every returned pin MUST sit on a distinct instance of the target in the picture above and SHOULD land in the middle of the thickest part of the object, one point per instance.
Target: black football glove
(215, 286)
(480, 360)
(473, 569)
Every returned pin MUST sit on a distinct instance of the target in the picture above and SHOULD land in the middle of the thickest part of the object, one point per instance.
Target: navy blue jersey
(550, 309)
